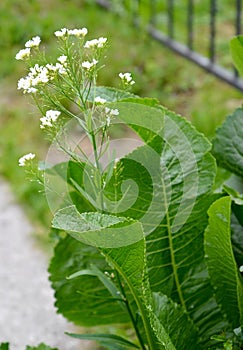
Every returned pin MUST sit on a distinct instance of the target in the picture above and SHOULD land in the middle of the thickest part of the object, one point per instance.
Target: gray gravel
(27, 314)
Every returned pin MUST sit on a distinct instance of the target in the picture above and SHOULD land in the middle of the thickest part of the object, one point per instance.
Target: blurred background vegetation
(177, 83)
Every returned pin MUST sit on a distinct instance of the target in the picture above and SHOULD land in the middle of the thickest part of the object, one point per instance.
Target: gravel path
(27, 314)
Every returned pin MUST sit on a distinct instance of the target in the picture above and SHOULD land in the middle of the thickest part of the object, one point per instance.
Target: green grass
(158, 72)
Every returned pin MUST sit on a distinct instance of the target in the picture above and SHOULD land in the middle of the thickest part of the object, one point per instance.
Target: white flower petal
(27, 157)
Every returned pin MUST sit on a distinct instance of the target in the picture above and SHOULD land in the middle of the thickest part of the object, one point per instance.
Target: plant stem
(141, 307)
(130, 312)
(99, 169)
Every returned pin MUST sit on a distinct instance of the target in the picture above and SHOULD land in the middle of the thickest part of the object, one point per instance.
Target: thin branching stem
(129, 310)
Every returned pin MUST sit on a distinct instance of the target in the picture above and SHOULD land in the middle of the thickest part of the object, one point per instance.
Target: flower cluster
(88, 65)
(75, 32)
(25, 53)
(40, 75)
(34, 42)
(100, 100)
(126, 78)
(50, 118)
(72, 78)
(26, 159)
(100, 42)
(111, 112)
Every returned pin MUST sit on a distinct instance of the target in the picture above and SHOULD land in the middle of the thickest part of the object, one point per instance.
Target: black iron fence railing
(197, 30)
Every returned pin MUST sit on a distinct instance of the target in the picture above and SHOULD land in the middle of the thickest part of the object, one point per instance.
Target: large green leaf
(228, 145)
(133, 271)
(83, 300)
(223, 271)
(236, 49)
(76, 299)
(111, 340)
(174, 173)
(126, 256)
(99, 230)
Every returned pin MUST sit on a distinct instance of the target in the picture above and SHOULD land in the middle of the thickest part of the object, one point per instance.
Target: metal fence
(160, 19)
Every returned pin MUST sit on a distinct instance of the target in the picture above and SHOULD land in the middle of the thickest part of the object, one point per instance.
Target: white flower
(62, 59)
(111, 112)
(26, 158)
(32, 90)
(23, 54)
(58, 67)
(127, 78)
(61, 33)
(43, 76)
(88, 65)
(114, 112)
(53, 114)
(35, 41)
(99, 99)
(24, 83)
(78, 32)
(100, 42)
(51, 67)
(241, 268)
(61, 69)
(37, 75)
(50, 118)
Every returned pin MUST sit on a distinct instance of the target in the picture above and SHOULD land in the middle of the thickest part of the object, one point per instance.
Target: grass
(159, 73)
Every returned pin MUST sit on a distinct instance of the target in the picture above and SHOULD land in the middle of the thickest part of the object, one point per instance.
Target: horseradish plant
(148, 238)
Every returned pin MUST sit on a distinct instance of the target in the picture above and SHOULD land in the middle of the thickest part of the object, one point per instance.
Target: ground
(27, 314)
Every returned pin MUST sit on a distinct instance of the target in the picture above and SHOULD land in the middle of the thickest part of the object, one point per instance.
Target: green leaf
(94, 228)
(176, 161)
(239, 334)
(83, 300)
(236, 50)
(125, 241)
(4, 346)
(228, 145)
(176, 322)
(237, 229)
(222, 176)
(109, 94)
(60, 188)
(133, 271)
(42, 346)
(105, 278)
(223, 271)
(234, 195)
(107, 338)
